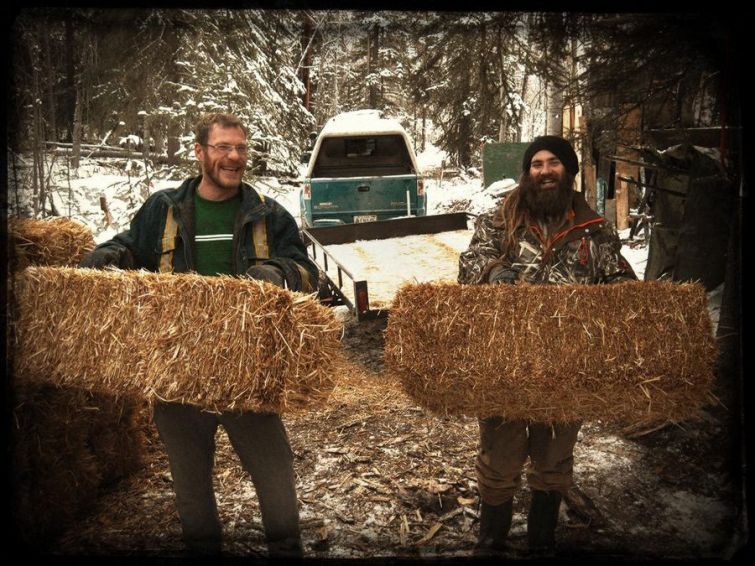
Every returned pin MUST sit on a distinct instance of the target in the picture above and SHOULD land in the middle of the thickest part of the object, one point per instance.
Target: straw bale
(631, 352)
(119, 444)
(221, 343)
(59, 466)
(53, 242)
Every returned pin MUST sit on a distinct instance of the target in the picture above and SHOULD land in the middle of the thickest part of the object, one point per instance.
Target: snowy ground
(378, 477)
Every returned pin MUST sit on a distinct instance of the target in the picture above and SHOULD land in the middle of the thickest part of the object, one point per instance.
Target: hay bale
(118, 441)
(67, 444)
(632, 352)
(60, 463)
(53, 242)
(221, 343)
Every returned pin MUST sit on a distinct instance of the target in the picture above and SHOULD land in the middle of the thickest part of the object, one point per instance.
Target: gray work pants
(504, 448)
(261, 442)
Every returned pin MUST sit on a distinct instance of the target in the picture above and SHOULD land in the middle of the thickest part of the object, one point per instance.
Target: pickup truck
(362, 168)
(362, 265)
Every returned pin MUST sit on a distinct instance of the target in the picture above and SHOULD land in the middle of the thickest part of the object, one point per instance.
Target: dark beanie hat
(558, 147)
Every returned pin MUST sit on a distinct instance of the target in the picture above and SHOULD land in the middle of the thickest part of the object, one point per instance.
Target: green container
(502, 161)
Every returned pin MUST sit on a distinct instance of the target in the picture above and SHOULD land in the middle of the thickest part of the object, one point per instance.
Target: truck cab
(362, 169)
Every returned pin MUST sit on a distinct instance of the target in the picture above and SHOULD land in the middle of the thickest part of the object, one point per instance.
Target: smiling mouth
(548, 184)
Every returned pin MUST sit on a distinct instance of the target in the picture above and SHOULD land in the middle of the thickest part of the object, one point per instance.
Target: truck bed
(365, 264)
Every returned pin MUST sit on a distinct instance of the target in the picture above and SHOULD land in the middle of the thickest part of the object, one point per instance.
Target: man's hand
(104, 257)
(503, 275)
(268, 273)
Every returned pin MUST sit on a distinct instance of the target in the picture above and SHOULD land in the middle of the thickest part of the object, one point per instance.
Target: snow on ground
(636, 256)
(431, 159)
(463, 193)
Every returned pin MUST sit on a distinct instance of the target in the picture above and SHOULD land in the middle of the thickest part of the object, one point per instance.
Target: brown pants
(504, 448)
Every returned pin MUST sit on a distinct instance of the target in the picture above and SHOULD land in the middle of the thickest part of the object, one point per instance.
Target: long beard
(546, 204)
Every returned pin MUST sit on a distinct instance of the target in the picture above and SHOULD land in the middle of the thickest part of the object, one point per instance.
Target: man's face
(547, 187)
(546, 170)
(223, 169)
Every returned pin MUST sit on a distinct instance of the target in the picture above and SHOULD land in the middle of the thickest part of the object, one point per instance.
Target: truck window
(362, 156)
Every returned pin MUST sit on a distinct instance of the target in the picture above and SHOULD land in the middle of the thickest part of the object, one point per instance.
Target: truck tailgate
(355, 199)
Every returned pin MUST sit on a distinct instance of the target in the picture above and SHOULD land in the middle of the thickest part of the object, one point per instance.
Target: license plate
(365, 218)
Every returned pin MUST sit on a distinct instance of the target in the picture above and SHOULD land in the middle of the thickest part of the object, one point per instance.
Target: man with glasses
(216, 224)
(545, 233)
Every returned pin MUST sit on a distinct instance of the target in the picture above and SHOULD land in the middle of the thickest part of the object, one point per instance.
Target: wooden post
(572, 129)
(628, 134)
(590, 187)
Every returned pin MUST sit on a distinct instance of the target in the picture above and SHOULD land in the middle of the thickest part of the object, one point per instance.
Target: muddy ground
(379, 477)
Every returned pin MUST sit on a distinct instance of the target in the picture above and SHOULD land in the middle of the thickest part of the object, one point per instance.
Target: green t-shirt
(214, 234)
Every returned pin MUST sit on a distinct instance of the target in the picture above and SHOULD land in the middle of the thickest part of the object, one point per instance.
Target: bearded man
(215, 224)
(544, 232)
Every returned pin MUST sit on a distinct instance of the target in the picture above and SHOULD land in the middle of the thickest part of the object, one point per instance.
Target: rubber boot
(495, 523)
(541, 522)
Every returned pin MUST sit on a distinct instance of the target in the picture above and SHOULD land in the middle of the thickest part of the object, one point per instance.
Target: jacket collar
(580, 220)
(250, 199)
(580, 216)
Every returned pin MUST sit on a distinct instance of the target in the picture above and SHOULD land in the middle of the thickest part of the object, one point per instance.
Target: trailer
(342, 282)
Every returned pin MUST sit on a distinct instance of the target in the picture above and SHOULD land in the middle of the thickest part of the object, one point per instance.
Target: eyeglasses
(227, 149)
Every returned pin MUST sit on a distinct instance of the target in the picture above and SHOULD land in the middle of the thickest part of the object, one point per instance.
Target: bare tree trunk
(70, 189)
(15, 182)
(337, 83)
(159, 134)
(373, 52)
(465, 124)
(424, 126)
(70, 106)
(38, 163)
(76, 137)
(48, 187)
(49, 84)
(306, 58)
(485, 103)
(145, 149)
(38, 177)
(34, 180)
(555, 105)
(525, 83)
(502, 90)
(173, 143)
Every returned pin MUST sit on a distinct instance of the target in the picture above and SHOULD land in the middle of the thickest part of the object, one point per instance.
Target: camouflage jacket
(585, 249)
